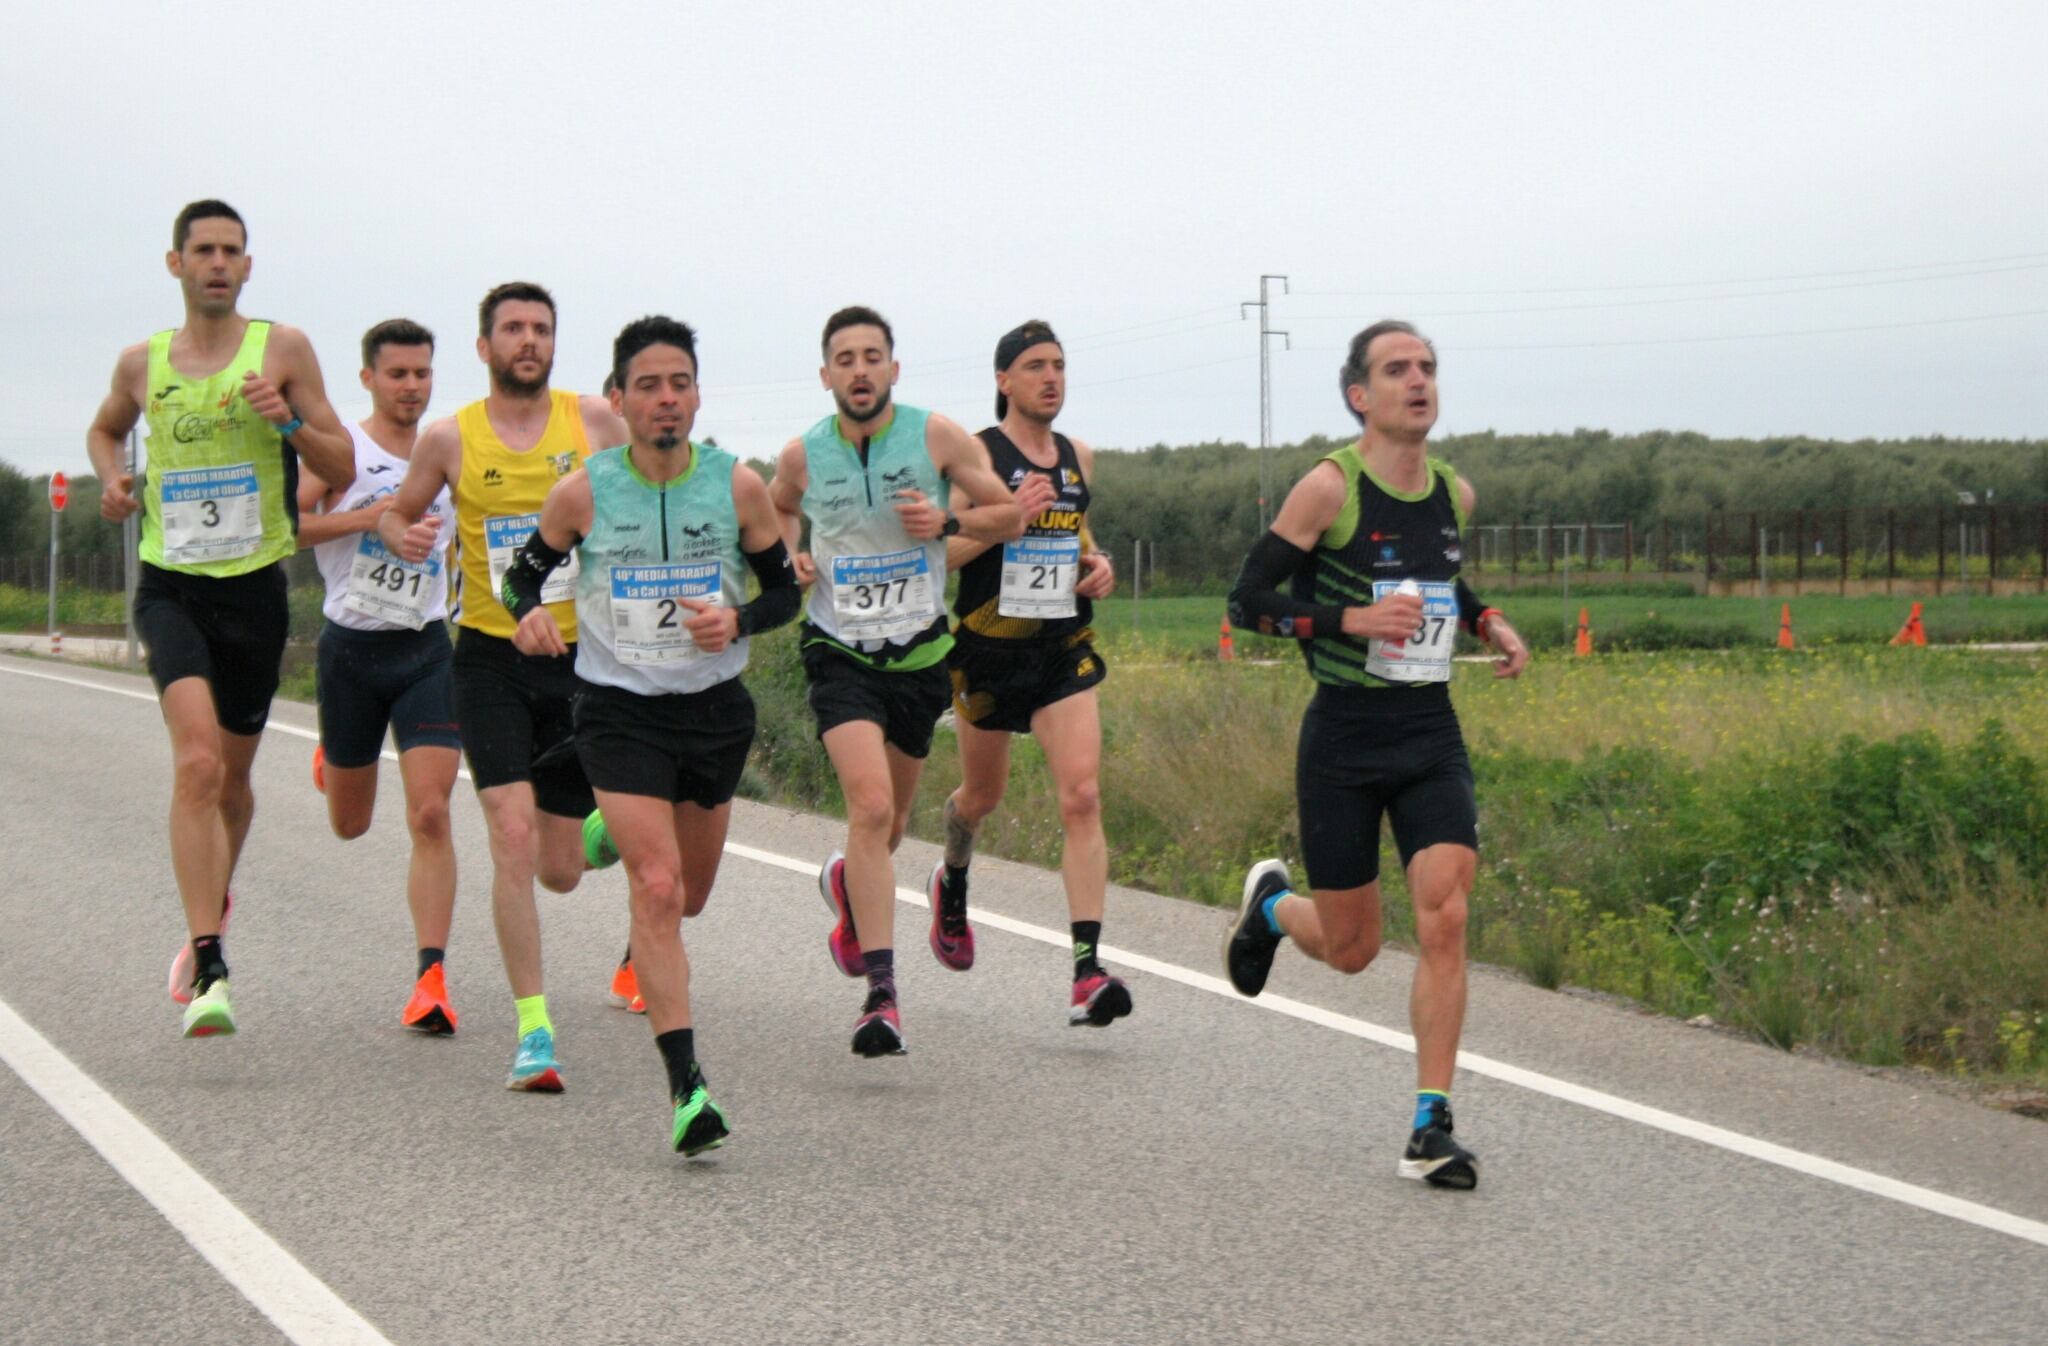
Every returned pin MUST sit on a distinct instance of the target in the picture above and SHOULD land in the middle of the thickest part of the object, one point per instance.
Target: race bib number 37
(1038, 577)
(503, 535)
(649, 615)
(1420, 658)
(211, 514)
(883, 597)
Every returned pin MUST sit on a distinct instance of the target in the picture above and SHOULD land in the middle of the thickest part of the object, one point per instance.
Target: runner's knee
(657, 895)
(1080, 801)
(1440, 926)
(198, 774)
(871, 808)
(1355, 956)
(427, 820)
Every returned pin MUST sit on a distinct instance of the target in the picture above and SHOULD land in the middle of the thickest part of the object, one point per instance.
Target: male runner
(1023, 661)
(499, 457)
(384, 658)
(232, 405)
(1369, 541)
(875, 481)
(662, 529)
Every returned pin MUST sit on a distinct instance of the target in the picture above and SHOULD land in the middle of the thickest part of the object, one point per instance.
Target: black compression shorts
(373, 680)
(1370, 752)
(681, 747)
(1001, 684)
(906, 704)
(230, 631)
(517, 718)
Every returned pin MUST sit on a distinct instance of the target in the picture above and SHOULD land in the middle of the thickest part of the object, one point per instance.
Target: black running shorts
(518, 721)
(373, 680)
(1368, 752)
(1001, 684)
(906, 704)
(682, 747)
(230, 631)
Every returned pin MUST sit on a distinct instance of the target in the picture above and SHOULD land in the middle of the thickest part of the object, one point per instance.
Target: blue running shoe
(533, 1068)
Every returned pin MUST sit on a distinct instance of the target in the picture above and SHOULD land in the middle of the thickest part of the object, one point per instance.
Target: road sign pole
(130, 571)
(56, 520)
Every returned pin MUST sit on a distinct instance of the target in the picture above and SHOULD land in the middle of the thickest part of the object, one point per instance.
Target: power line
(1672, 284)
(1735, 336)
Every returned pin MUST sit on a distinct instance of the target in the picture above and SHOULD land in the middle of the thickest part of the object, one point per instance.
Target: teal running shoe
(699, 1123)
(533, 1068)
(210, 1015)
(598, 851)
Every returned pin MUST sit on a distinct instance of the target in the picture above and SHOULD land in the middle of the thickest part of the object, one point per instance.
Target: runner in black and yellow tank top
(1371, 542)
(1024, 661)
(499, 457)
(232, 406)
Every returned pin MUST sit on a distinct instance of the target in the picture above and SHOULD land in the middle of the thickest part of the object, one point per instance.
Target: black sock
(1087, 936)
(955, 876)
(881, 965)
(627, 956)
(678, 1049)
(209, 963)
(428, 957)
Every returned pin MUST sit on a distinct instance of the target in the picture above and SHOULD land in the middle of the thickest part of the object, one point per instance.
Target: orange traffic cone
(1583, 646)
(1912, 633)
(1785, 627)
(1223, 648)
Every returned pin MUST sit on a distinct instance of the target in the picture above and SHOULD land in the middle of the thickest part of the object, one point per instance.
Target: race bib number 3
(883, 597)
(1038, 577)
(503, 535)
(648, 613)
(211, 514)
(1420, 658)
(385, 588)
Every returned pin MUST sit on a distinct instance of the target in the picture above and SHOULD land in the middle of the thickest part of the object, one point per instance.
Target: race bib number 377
(883, 597)
(211, 514)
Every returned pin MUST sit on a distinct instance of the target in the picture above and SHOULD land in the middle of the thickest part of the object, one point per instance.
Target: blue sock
(1426, 1104)
(1268, 909)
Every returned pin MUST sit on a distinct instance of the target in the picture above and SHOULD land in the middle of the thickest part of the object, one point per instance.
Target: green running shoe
(699, 1124)
(598, 851)
(210, 1015)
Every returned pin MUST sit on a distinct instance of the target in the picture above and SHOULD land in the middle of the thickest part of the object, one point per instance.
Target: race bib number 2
(649, 616)
(1038, 577)
(883, 597)
(503, 535)
(1425, 657)
(211, 514)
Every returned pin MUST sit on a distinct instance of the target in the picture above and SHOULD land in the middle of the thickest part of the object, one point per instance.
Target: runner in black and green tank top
(1369, 544)
(1024, 662)
(232, 406)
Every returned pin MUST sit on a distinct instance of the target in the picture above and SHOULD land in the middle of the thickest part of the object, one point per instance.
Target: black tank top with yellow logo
(978, 603)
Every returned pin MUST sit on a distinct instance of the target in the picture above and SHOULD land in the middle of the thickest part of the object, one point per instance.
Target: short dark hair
(652, 330)
(611, 382)
(1357, 370)
(209, 209)
(393, 332)
(856, 315)
(1031, 332)
(487, 312)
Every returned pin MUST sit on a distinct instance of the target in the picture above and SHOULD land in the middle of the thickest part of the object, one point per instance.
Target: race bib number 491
(211, 514)
(388, 589)
(649, 616)
(883, 597)
(503, 535)
(1424, 657)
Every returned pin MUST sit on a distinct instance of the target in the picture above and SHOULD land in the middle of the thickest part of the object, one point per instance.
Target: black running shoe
(1433, 1157)
(879, 1030)
(1248, 946)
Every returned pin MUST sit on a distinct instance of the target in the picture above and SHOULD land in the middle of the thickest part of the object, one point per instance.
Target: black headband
(1019, 339)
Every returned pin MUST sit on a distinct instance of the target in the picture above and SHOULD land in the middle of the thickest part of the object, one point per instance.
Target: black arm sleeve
(1256, 603)
(531, 565)
(1469, 608)
(780, 592)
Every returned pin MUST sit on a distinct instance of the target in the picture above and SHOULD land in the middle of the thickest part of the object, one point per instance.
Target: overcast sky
(1747, 219)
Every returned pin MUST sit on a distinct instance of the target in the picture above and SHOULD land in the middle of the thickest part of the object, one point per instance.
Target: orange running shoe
(319, 768)
(429, 1011)
(625, 992)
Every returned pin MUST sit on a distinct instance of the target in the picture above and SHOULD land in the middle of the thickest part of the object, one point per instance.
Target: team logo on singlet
(900, 478)
(493, 477)
(565, 463)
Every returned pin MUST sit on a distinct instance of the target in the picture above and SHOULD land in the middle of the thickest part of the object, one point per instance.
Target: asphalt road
(1209, 1170)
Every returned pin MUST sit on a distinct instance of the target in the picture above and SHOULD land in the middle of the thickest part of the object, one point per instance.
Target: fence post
(1940, 549)
(1891, 549)
(1515, 548)
(1628, 546)
(1990, 550)
(1842, 546)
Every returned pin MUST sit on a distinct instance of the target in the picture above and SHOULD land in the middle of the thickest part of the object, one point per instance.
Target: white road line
(297, 1301)
(1798, 1161)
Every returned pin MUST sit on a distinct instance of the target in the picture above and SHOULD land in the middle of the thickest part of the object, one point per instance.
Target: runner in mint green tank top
(232, 408)
(875, 484)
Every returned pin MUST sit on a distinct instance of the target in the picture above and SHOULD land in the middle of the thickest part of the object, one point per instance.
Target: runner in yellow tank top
(232, 407)
(499, 457)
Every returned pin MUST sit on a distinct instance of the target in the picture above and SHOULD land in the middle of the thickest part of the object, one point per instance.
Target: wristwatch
(951, 527)
(291, 427)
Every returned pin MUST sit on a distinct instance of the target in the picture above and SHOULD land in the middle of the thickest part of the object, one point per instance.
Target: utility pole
(1266, 335)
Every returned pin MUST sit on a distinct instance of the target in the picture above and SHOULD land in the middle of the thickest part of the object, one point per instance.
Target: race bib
(1421, 658)
(1039, 575)
(383, 587)
(648, 612)
(211, 514)
(503, 535)
(882, 597)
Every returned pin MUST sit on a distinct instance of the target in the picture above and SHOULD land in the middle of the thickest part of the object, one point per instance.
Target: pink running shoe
(181, 962)
(844, 943)
(1099, 1001)
(952, 937)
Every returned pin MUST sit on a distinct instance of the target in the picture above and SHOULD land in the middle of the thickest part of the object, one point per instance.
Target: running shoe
(1249, 946)
(429, 1011)
(879, 1030)
(1433, 1157)
(210, 1015)
(699, 1123)
(952, 936)
(844, 942)
(533, 1067)
(182, 977)
(598, 851)
(320, 768)
(625, 992)
(1099, 1001)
